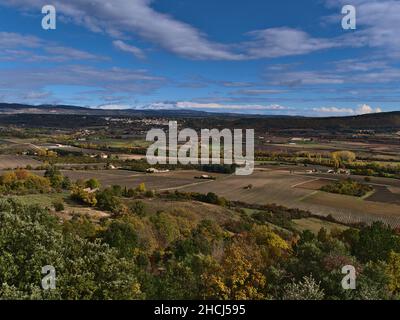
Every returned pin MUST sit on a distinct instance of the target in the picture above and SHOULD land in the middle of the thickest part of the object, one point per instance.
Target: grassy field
(196, 211)
(314, 225)
(44, 200)
(71, 208)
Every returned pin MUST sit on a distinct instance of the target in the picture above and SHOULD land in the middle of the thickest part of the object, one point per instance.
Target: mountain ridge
(10, 108)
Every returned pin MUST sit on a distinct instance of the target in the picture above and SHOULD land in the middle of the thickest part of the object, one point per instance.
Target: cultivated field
(297, 190)
(384, 194)
(17, 161)
(157, 181)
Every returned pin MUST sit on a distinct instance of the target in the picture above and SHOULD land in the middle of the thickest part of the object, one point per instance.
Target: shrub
(107, 200)
(80, 195)
(92, 183)
(139, 208)
(23, 182)
(58, 205)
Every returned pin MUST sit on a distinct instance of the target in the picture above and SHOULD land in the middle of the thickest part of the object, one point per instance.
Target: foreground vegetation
(255, 252)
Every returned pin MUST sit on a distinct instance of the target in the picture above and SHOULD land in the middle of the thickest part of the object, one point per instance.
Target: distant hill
(15, 108)
(375, 121)
(17, 113)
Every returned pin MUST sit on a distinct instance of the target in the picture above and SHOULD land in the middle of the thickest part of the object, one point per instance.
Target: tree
(306, 289)
(275, 246)
(205, 239)
(376, 242)
(30, 238)
(66, 184)
(81, 195)
(237, 277)
(92, 184)
(55, 176)
(339, 158)
(106, 200)
(22, 182)
(122, 236)
(80, 226)
(141, 188)
(393, 272)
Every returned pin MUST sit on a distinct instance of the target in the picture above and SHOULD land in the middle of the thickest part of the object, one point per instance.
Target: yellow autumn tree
(237, 276)
(393, 272)
(141, 187)
(339, 158)
(273, 244)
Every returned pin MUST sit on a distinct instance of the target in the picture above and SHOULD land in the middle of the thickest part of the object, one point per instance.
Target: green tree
(122, 236)
(92, 183)
(30, 238)
(376, 242)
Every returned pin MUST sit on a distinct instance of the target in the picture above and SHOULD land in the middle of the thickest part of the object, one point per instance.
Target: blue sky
(256, 56)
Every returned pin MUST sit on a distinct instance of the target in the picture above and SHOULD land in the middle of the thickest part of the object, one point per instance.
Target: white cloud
(213, 106)
(377, 20)
(16, 40)
(296, 78)
(107, 80)
(334, 110)
(65, 53)
(362, 109)
(255, 92)
(378, 24)
(28, 48)
(345, 72)
(37, 95)
(121, 18)
(278, 42)
(137, 52)
(113, 107)
(365, 109)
